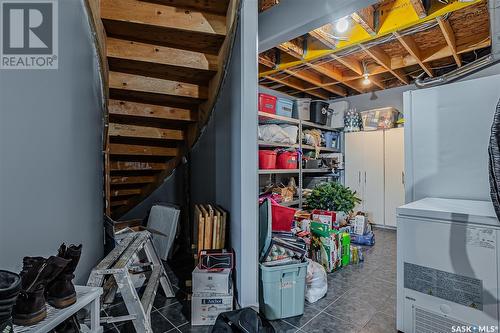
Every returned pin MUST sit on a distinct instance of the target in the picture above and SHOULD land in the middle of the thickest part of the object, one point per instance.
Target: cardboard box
(205, 307)
(216, 282)
(326, 217)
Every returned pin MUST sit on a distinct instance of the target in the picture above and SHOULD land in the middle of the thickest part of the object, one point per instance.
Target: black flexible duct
(494, 160)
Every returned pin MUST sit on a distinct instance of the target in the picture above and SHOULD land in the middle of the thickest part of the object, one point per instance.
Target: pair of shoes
(10, 285)
(46, 280)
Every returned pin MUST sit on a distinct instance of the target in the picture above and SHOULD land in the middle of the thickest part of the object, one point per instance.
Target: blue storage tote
(284, 107)
(282, 290)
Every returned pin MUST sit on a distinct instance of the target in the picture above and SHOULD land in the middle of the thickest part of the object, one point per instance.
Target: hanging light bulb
(366, 80)
(342, 25)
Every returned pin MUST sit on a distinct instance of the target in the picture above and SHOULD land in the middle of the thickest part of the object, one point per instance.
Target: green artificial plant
(334, 197)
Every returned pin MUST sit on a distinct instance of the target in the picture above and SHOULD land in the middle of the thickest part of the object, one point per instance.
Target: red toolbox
(287, 160)
(267, 159)
(267, 103)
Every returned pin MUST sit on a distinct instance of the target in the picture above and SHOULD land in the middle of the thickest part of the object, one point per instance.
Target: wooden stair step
(132, 109)
(132, 179)
(126, 192)
(160, 61)
(136, 166)
(117, 203)
(134, 131)
(209, 6)
(140, 150)
(138, 83)
(165, 25)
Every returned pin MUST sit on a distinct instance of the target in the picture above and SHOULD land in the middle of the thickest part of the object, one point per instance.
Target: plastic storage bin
(287, 160)
(319, 112)
(379, 118)
(302, 109)
(267, 103)
(331, 139)
(284, 107)
(282, 290)
(267, 159)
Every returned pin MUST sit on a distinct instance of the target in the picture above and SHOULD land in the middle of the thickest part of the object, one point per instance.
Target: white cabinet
(394, 173)
(374, 164)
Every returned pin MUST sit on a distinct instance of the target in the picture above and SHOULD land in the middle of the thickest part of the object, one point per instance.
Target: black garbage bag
(494, 161)
(244, 320)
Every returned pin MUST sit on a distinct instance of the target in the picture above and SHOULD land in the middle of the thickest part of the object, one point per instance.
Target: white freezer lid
(468, 211)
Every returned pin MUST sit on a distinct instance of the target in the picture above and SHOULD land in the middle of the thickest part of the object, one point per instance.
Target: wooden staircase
(163, 63)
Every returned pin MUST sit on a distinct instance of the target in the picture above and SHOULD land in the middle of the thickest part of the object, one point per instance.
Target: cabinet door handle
(403, 177)
(359, 177)
(365, 177)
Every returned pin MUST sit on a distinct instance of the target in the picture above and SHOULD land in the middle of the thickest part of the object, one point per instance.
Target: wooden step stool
(118, 263)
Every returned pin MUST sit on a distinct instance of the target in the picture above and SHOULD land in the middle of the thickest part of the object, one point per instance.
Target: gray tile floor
(361, 298)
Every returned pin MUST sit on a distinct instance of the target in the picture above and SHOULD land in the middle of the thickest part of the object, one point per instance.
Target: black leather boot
(61, 291)
(36, 274)
(10, 285)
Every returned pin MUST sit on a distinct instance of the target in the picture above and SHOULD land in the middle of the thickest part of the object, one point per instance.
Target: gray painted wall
(50, 152)
(224, 161)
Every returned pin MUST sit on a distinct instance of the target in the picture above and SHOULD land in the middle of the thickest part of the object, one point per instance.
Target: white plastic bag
(316, 282)
(276, 133)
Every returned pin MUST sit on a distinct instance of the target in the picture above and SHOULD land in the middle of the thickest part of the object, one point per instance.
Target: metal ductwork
(479, 64)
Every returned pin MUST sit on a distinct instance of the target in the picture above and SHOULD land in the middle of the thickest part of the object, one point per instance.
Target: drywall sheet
(446, 139)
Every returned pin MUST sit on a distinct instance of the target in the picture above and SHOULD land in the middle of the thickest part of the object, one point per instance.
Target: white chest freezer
(447, 266)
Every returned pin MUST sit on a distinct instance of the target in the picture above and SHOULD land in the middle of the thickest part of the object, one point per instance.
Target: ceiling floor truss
(319, 65)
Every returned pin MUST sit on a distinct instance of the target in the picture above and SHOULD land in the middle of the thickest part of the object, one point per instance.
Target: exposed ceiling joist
(316, 80)
(419, 8)
(409, 44)
(366, 19)
(300, 85)
(384, 60)
(449, 35)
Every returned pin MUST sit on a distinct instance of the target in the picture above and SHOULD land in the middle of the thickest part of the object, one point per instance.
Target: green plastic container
(346, 249)
(282, 290)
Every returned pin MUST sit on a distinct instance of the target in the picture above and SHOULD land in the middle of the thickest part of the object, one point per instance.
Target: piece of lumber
(366, 19)
(315, 79)
(449, 36)
(216, 230)
(123, 192)
(150, 111)
(138, 83)
(298, 84)
(163, 16)
(223, 226)
(132, 179)
(160, 61)
(207, 237)
(419, 8)
(200, 220)
(134, 131)
(412, 48)
(141, 150)
(384, 60)
(209, 6)
(136, 166)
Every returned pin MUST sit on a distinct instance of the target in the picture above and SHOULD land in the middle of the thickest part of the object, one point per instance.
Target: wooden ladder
(118, 263)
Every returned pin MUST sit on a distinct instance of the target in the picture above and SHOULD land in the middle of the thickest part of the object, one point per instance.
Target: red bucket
(267, 159)
(287, 160)
(282, 217)
(267, 103)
